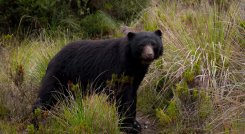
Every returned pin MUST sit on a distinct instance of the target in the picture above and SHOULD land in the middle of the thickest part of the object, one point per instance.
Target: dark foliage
(33, 15)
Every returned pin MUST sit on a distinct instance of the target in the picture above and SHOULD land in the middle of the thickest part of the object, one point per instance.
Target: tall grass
(197, 86)
(25, 65)
(202, 69)
(89, 115)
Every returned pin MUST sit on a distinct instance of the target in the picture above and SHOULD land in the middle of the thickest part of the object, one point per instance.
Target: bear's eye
(154, 45)
(141, 46)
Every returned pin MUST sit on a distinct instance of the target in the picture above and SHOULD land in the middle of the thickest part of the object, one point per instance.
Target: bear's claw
(133, 128)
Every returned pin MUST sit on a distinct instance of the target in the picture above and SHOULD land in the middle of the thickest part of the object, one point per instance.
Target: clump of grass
(92, 114)
(170, 115)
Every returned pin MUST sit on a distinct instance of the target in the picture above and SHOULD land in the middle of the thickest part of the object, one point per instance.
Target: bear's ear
(130, 35)
(158, 32)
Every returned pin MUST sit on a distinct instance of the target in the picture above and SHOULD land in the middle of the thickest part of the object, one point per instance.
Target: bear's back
(89, 60)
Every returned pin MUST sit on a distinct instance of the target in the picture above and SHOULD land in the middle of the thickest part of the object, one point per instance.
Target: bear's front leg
(127, 110)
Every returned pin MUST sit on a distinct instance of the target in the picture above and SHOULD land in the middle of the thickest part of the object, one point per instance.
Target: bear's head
(145, 46)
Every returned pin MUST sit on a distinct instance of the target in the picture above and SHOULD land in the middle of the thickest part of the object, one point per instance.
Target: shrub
(98, 24)
(124, 10)
(28, 15)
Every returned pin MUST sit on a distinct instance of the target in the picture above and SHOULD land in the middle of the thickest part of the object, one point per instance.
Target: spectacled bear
(95, 62)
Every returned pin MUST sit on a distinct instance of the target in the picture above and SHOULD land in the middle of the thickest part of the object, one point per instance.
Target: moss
(159, 63)
(37, 112)
(30, 129)
(172, 110)
(182, 90)
(194, 94)
(163, 117)
(197, 68)
(75, 89)
(242, 24)
(189, 75)
(170, 115)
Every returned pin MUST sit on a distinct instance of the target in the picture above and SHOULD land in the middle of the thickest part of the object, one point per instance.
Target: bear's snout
(147, 54)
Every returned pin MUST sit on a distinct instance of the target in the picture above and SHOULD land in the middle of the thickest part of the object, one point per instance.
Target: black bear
(95, 62)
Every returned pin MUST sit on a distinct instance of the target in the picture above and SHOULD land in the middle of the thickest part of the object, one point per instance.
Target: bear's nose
(148, 53)
(149, 56)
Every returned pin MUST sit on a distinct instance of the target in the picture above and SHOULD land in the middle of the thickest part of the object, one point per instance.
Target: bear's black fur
(95, 62)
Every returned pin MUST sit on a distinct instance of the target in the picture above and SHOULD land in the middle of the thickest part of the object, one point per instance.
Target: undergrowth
(92, 114)
(197, 86)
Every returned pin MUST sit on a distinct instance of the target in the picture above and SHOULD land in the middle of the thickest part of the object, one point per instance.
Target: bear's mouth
(147, 61)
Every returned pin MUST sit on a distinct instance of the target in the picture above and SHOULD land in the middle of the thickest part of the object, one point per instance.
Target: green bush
(36, 14)
(98, 24)
(125, 10)
(26, 16)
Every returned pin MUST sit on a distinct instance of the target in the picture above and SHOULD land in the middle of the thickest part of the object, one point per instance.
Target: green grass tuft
(91, 115)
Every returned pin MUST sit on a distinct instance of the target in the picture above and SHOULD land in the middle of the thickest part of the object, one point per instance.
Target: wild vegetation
(197, 86)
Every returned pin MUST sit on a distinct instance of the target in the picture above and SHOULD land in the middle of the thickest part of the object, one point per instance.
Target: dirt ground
(148, 124)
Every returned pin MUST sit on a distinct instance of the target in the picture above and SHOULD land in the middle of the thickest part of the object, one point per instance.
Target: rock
(147, 123)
